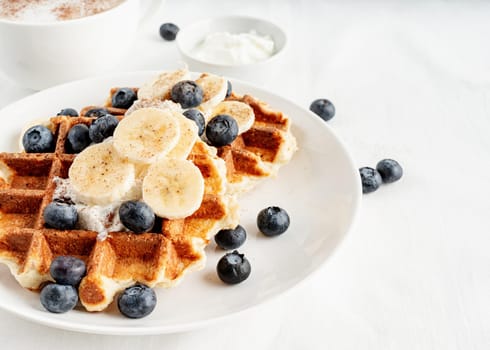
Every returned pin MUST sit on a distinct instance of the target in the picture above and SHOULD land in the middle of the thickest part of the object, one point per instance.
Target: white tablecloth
(410, 81)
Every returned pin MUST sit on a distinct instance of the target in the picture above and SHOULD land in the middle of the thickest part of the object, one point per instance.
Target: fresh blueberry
(273, 221)
(38, 139)
(231, 239)
(61, 216)
(187, 93)
(233, 268)
(229, 89)
(137, 301)
(77, 139)
(69, 112)
(390, 170)
(137, 216)
(67, 270)
(102, 128)
(59, 298)
(370, 178)
(124, 98)
(323, 108)
(196, 115)
(168, 31)
(96, 112)
(221, 130)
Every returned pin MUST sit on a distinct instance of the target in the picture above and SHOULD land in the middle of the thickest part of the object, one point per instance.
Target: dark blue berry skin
(221, 130)
(390, 170)
(59, 298)
(67, 270)
(231, 239)
(229, 89)
(137, 301)
(273, 221)
(38, 139)
(187, 93)
(137, 216)
(69, 112)
(102, 128)
(323, 108)
(168, 31)
(77, 139)
(124, 98)
(60, 216)
(233, 268)
(96, 112)
(370, 178)
(196, 116)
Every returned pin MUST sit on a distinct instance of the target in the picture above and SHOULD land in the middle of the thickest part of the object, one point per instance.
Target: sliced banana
(99, 176)
(241, 112)
(173, 188)
(214, 88)
(167, 104)
(188, 137)
(159, 87)
(147, 134)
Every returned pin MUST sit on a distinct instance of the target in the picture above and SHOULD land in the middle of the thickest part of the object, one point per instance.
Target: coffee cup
(39, 54)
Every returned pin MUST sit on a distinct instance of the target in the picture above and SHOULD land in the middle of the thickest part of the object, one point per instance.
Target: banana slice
(159, 88)
(99, 176)
(241, 112)
(173, 188)
(147, 134)
(214, 88)
(188, 137)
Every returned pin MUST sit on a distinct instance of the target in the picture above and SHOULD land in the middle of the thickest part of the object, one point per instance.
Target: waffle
(157, 258)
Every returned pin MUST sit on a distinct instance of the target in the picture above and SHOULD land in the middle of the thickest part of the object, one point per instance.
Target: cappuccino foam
(52, 10)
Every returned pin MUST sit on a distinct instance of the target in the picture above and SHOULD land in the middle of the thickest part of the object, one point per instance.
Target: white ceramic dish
(320, 189)
(191, 35)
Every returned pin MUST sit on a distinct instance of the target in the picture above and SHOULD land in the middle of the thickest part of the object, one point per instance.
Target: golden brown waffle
(160, 257)
(259, 152)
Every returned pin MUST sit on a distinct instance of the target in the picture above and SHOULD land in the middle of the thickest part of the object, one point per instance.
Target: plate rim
(191, 325)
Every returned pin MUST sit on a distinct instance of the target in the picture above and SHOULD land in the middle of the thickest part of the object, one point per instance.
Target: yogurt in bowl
(236, 46)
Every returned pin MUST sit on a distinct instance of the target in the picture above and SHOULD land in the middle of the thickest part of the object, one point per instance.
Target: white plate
(320, 188)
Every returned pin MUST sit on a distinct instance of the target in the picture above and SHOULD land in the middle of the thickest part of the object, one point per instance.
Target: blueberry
(38, 139)
(77, 139)
(96, 112)
(370, 178)
(168, 31)
(137, 216)
(67, 270)
(233, 268)
(221, 130)
(124, 98)
(229, 89)
(232, 238)
(102, 128)
(69, 112)
(61, 216)
(197, 116)
(390, 170)
(323, 108)
(59, 298)
(273, 221)
(137, 301)
(187, 93)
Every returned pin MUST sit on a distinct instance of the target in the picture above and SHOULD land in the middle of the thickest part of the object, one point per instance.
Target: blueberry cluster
(62, 296)
(234, 267)
(387, 171)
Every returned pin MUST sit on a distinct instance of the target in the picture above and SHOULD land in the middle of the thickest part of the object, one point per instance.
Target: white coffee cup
(39, 55)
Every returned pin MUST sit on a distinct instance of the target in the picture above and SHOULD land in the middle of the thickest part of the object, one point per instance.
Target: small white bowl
(190, 36)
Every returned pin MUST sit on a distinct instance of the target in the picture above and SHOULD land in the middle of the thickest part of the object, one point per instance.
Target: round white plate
(320, 189)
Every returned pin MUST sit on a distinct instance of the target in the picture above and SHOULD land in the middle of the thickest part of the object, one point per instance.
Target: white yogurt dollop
(234, 49)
